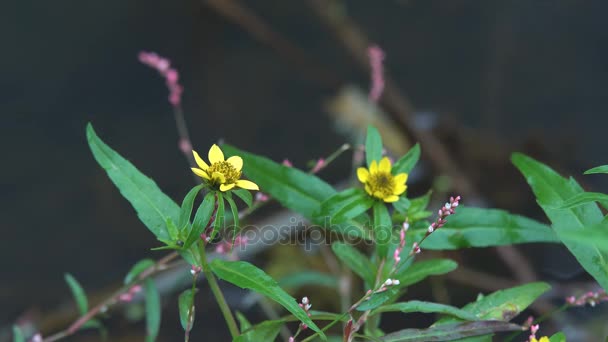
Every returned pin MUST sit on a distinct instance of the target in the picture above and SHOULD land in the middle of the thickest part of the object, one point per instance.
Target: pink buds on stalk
(376, 58)
(591, 298)
(163, 66)
(128, 296)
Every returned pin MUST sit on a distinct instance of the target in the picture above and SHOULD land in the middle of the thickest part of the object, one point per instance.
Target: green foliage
(597, 169)
(585, 198)
(551, 191)
(246, 275)
(426, 307)
(265, 331)
(383, 228)
(201, 219)
(379, 298)
(137, 269)
(185, 302)
(402, 205)
(244, 195)
(449, 332)
(78, 293)
(235, 216)
(345, 205)
(153, 310)
(478, 227)
(308, 278)
(558, 337)
(220, 217)
(294, 189)
(355, 260)
(418, 271)
(18, 334)
(186, 210)
(153, 207)
(408, 161)
(373, 145)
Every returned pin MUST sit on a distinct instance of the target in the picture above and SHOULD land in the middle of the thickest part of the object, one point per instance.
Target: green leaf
(244, 195)
(597, 169)
(18, 334)
(187, 204)
(345, 205)
(355, 260)
(243, 322)
(551, 191)
(265, 331)
(201, 219)
(378, 299)
(137, 269)
(293, 188)
(220, 219)
(153, 310)
(248, 276)
(418, 271)
(185, 302)
(419, 204)
(426, 307)
(558, 337)
(153, 207)
(594, 236)
(373, 145)
(402, 205)
(503, 305)
(478, 227)
(449, 332)
(307, 278)
(585, 198)
(235, 216)
(383, 228)
(78, 293)
(408, 161)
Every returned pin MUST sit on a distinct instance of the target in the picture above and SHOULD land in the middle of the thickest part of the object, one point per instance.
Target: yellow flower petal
(218, 177)
(226, 187)
(215, 154)
(200, 173)
(245, 184)
(390, 199)
(399, 189)
(373, 167)
(236, 161)
(385, 165)
(199, 161)
(368, 190)
(401, 178)
(362, 174)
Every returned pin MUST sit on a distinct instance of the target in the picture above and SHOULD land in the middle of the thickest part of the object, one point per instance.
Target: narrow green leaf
(308, 278)
(235, 217)
(450, 332)
(408, 161)
(426, 307)
(201, 219)
(293, 188)
(265, 331)
(597, 169)
(137, 269)
(479, 227)
(418, 271)
(558, 337)
(402, 205)
(153, 310)
(595, 236)
(585, 198)
(173, 232)
(18, 334)
(373, 145)
(243, 322)
(378, 299)
(345, 205)
(244, 195)
(248, 276)
(187, 204)
(78, 293)
(356, 261)
(419, 204)
(502, 305)
(220, 219)
(153, 207)
(184, 303)
(551, 191)
(383, 228)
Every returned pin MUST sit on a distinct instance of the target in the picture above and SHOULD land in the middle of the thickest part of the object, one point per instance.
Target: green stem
(217, 293)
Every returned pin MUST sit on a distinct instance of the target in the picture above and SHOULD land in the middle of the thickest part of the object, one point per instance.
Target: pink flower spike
(376, 57)
(287, 163)
(319, 165)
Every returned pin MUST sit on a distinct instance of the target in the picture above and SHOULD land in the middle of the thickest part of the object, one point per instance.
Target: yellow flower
(380, 182)
(542, 339)
(225, 173)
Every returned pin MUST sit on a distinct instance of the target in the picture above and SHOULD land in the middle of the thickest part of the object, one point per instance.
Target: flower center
(226, 169)
(382, 182)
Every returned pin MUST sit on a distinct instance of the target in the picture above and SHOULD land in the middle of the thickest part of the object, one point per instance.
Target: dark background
(528, 75)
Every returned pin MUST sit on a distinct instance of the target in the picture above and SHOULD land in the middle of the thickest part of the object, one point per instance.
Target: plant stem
(191, 312)
(217, 293)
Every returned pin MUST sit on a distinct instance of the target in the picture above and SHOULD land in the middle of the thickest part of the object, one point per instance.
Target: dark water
(515, 69)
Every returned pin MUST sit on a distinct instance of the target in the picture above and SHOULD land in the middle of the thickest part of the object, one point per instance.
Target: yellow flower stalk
(380, 182)
(223, 173)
